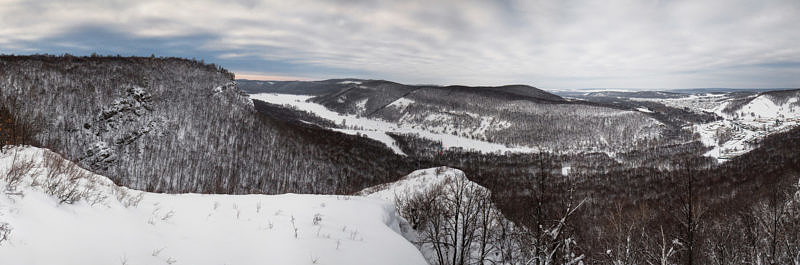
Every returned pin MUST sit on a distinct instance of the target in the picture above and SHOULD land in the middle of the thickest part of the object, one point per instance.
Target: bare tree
(5, 232)
(459, 224)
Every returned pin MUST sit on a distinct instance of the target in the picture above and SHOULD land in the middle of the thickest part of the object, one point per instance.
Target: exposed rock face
(230, 93)
(131, 108)
(121, 123)
(99, 156)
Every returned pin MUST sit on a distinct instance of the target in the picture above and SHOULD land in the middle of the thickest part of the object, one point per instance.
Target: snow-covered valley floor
(108, 224)
(377, 129)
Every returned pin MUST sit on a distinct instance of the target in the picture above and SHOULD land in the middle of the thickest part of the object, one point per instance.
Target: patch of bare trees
(5, 232)
(768, 232)
(63, 180)
(458, 224)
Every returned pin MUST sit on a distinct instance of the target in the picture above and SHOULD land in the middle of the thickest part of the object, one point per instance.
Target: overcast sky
(548, 44)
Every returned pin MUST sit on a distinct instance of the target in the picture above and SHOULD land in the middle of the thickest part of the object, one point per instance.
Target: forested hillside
(176, 125)
(514, 115)
(706, 213)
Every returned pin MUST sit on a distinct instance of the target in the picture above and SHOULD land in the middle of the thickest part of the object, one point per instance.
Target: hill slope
(174, 125)
(509, 116)
(108, 224)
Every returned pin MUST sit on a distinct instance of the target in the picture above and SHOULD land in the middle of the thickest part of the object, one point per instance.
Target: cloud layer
(549, 44)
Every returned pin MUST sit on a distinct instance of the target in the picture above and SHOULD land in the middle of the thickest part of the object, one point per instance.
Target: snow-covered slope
(417, 182)
(766, 106)
(744, 125)
(107, 224)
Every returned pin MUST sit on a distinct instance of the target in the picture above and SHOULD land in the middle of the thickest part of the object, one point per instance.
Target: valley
(172, 159)
(733, 121)
(414, 132)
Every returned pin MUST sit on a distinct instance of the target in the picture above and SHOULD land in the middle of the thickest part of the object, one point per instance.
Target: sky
(557, 44)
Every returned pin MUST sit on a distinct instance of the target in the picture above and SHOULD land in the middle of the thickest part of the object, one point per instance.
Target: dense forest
(177, 125)
(745, 211)
(706, 213)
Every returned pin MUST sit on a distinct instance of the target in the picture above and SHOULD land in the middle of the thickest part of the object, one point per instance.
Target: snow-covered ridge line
(415, 182)
(113, 225)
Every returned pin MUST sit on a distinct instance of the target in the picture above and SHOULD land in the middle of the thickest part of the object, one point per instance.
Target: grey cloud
(550, 44)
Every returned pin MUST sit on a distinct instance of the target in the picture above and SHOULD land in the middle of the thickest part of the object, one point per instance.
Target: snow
(350, 82)
(644, 110)
(401, 103)
(752, 122)
(436, 117)
(366, 126)
(755, 120)
(762, 107)
(109, 227)
(696, 102)
(413, 183)
(565, 170)
(419, 182)
(361, 106)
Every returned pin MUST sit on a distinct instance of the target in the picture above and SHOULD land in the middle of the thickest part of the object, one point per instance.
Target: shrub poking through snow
(63, 180)
(317, 219)
(5, 232)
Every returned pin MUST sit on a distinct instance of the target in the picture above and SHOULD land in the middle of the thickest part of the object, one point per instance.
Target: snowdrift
(52, 212)
(416, 182)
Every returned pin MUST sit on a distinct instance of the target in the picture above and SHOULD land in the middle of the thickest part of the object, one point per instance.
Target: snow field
(115, 225)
